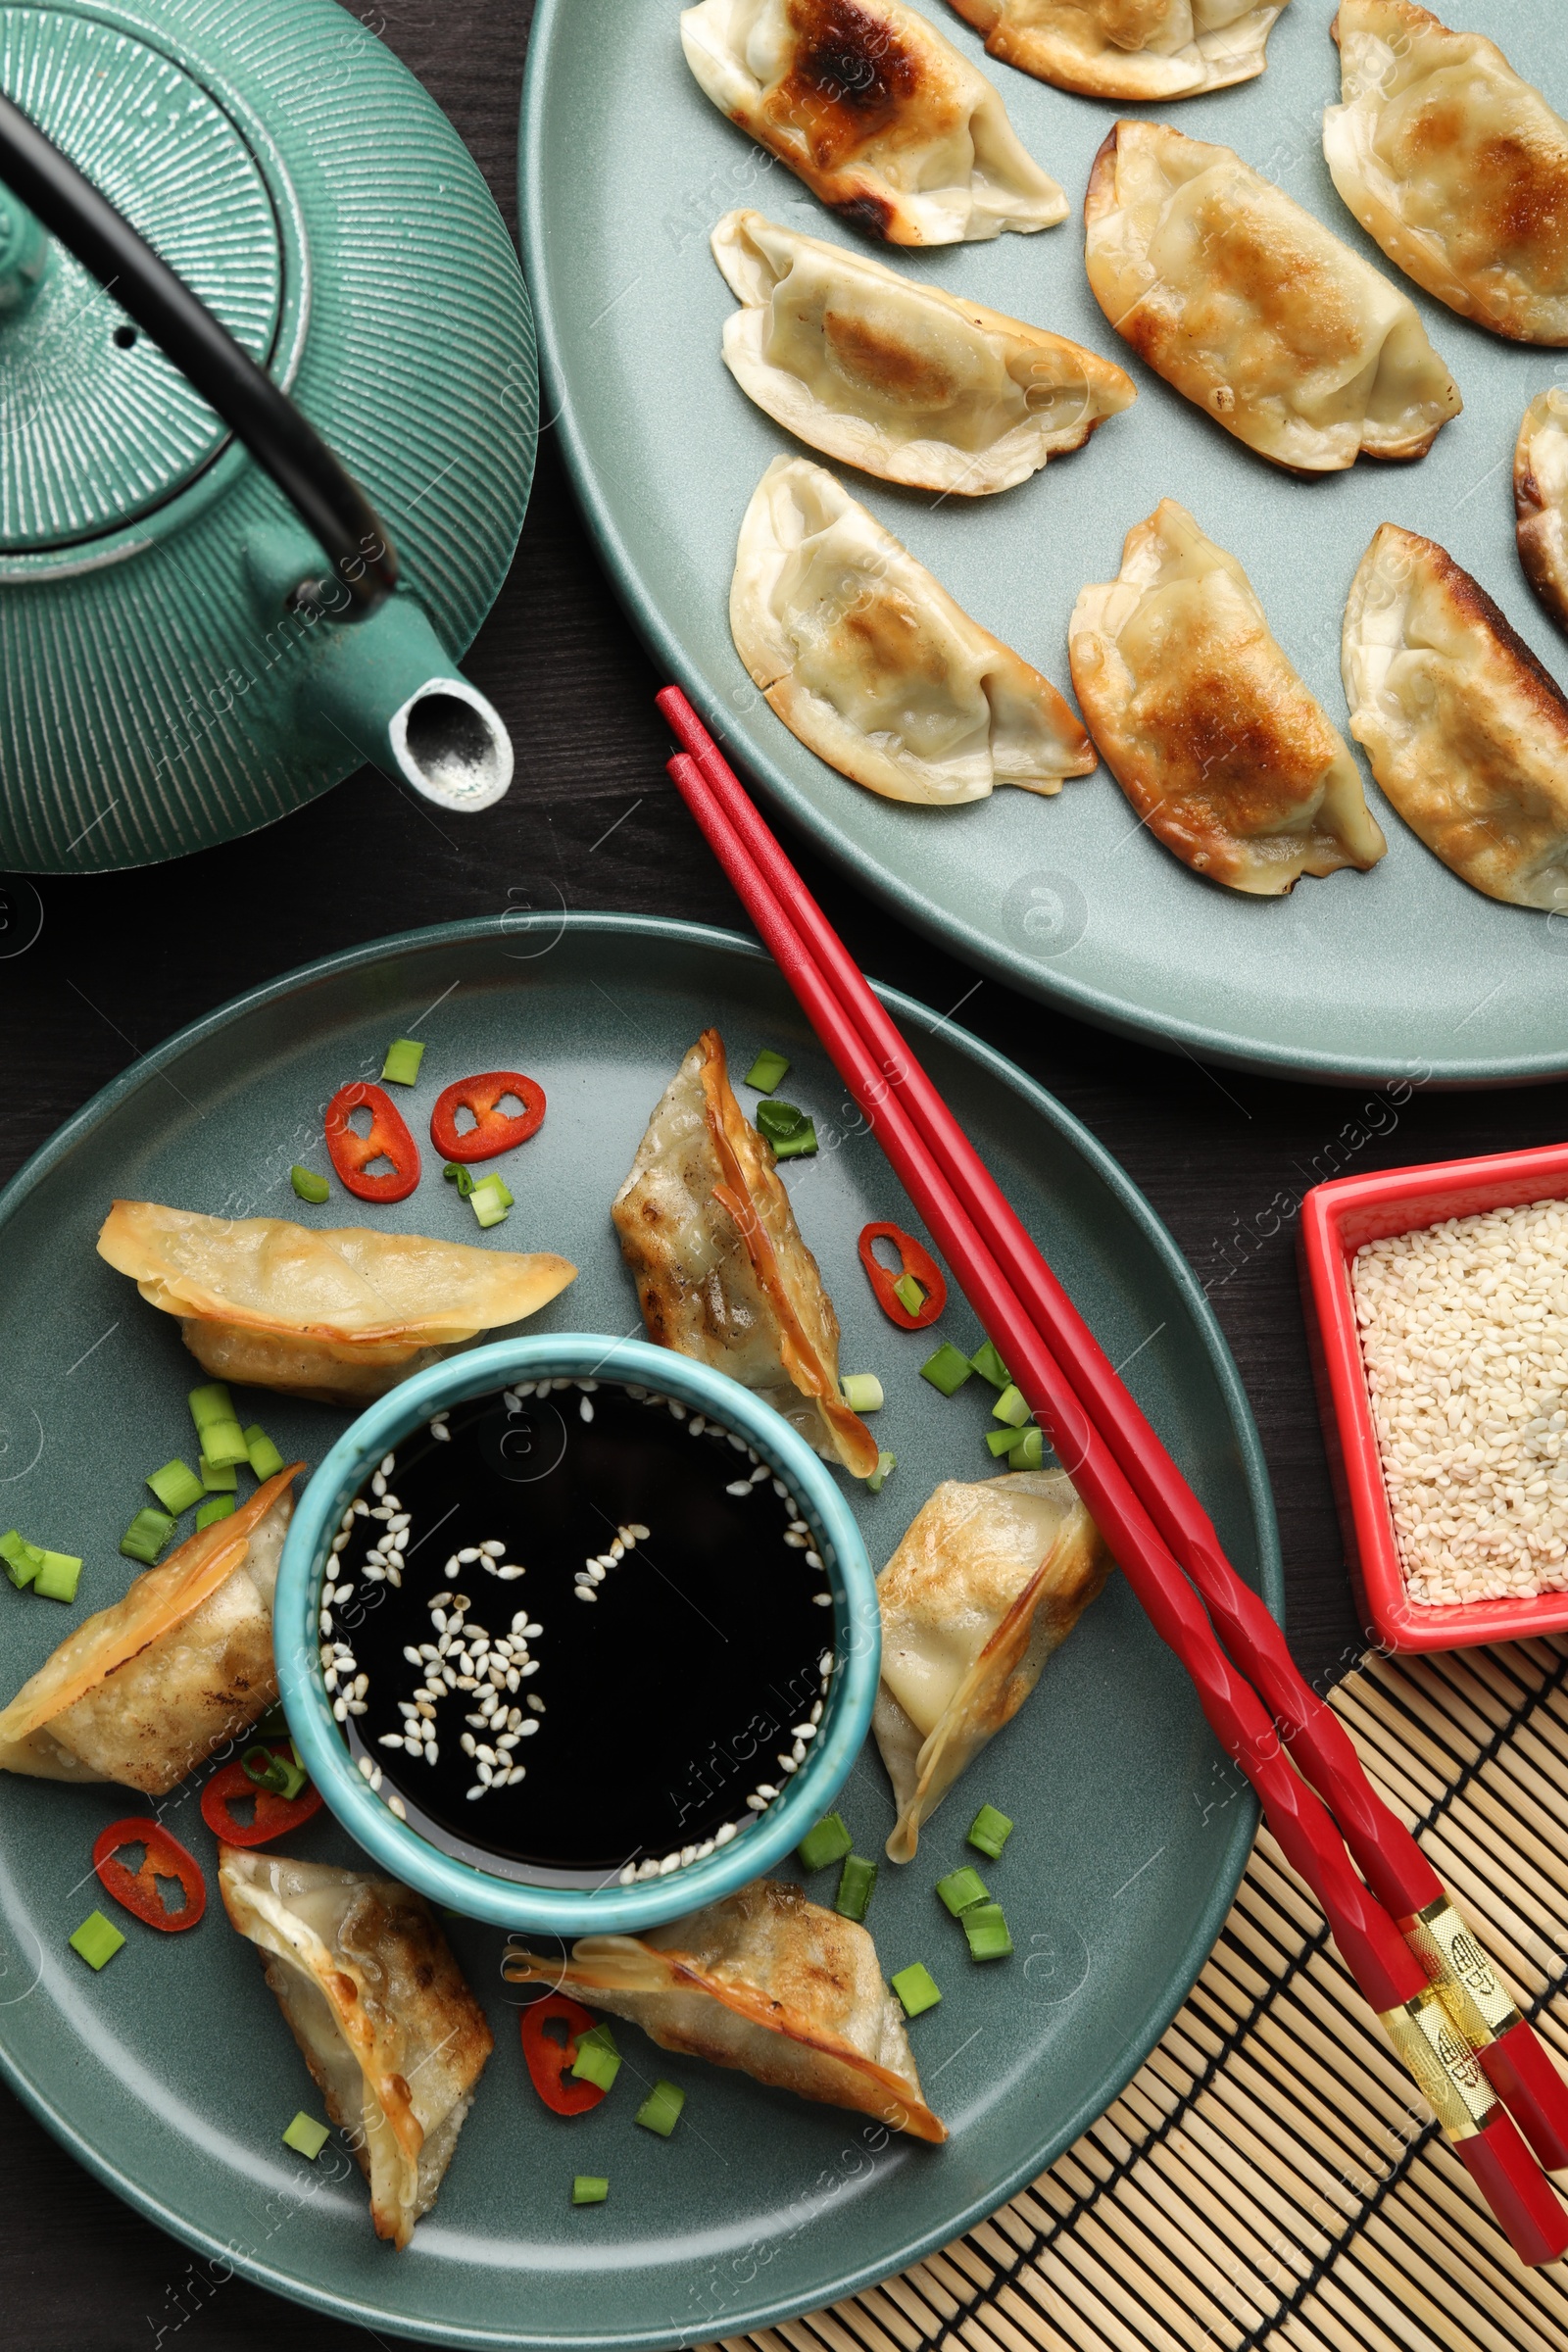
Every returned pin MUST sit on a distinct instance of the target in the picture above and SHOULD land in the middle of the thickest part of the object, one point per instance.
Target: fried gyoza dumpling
(1254, 311)
(722, 1274)
(1466, 733)
(1218, 745)
(1455, 166)
(1128, 48)
(340, 1315)
(871, 664)
(901, 379)
(988, 1581)
(1540, 500)
(381, 2012)
(767, 1981)
(145, 1691)
(880, 117)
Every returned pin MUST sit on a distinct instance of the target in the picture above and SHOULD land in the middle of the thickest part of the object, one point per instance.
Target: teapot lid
(96, 425)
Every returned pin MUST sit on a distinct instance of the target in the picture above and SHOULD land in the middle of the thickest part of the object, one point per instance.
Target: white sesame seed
(365, 1766)
(476, 1790)
(760, 1473)
(390, 1739)
(537, 1704)
(585, 1591)
(584, 1408)
(528, 1725)
(698, 1425)
(379, 1483)
(393, 1803)
(757, 1804)
(740, 1486)
(440, 1431)
(817, 1714)
(688, 1856)
(724, 1833)
(823, 1601)
(635, 1530)
(340, 1542)
(679, 1410)
(738, 1442)
(628, 1873)
(467, 1555)
(670, 1862)
(813, 1559)
(781, 1490)
(795, 1541)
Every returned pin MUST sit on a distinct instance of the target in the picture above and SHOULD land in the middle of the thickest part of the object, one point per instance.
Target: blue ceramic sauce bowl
(612, 1908)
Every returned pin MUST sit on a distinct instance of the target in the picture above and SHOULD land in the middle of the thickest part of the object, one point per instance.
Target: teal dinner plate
(173, 2074)
(625, 169)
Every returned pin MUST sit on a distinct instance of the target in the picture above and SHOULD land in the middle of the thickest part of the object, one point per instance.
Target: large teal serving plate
(625, 169)
(173, 2076)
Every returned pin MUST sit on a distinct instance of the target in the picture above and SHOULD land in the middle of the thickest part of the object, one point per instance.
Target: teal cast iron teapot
(219, 221)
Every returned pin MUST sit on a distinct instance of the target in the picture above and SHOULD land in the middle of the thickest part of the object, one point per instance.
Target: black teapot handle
(328, 502)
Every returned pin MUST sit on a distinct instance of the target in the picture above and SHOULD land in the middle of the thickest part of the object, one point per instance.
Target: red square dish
(1336, 1219)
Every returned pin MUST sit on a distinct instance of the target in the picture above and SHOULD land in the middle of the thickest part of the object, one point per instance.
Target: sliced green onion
(766, 1070)
(211, 1404)
(403, 1059)
(598, 2059)
(791, 1132)
(216, 1506)
(856, 1882)
(916, 1989)
(277, 1772)
(886, 1464)
(947, 1371)
(96, 1941)
(909, 1292)
(603, 2038)
(223, 1441)
(265, 1459)
(862, 1392)
(990, 1366)
(589, 2189)
(144, 1538)
(177, 1486)
(1001, 1440)
(23, 1559)
(490, 1200)
(308, 1186)
(219, 1478)
(1011, 1406)
(1030, 1452)
(963, 1888)
(59, 1576)
(306, 2136)
(828, 1841)
(986, 1932)
(661, 2111)
(456, 1173)
(990, 1831)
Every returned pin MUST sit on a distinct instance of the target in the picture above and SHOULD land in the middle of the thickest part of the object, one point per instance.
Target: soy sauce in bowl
(575, 1632)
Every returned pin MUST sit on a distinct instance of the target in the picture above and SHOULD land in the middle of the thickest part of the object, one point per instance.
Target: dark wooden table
(1224, 1158)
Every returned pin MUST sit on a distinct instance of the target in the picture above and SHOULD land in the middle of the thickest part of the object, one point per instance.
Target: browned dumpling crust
(722, 1273)
(1254, 310)
(1466, 732)
(381, 2011)
(767, 1981)
(1225, 753)
(1454, 165)
(1540, 500)
(881, 117)
(1125, 49)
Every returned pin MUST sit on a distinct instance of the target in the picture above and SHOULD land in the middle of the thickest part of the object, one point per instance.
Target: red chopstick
(1372, 1946)
(1517, 2061)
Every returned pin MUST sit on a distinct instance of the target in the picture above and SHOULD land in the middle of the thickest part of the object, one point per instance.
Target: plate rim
(146, 1068)
(1170, 1034)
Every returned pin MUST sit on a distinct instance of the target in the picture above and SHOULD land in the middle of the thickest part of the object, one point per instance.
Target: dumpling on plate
(1216, 742)
(1128, 48)
(1254, 311)
(381, 2012)
(1466, 732)
(1540, 500)
(341, 1315)
(901, 379)
(722, 1274)
(988, 1581)
(881, 117)
(145, 1691)
(767, 1981)
(870, 661)
(1454, 165)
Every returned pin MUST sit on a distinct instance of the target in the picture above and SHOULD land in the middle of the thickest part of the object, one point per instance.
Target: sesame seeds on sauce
(625, 1739)
(1465, 1335)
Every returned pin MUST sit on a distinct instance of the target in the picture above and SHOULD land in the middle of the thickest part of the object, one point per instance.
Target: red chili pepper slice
(137, 1890)
(273, 1813)
(493, 1131)
(914, 1259)
(388, 1138)
(549, 2062)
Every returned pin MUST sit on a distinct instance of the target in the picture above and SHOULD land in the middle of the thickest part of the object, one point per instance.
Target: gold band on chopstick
(1460, 1972)
(1441, 2062)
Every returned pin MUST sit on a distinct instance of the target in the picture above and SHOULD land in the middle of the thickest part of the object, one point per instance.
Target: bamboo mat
(1270, 2177)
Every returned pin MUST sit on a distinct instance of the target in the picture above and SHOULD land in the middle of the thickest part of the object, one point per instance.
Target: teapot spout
(388, 685)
